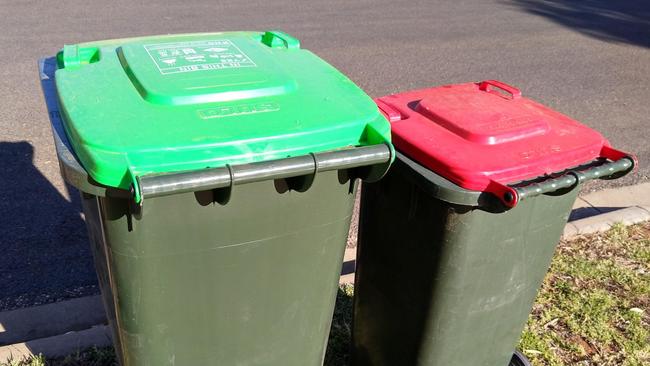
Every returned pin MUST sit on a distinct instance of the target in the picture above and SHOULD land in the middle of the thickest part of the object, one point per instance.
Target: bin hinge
(610, 164)
(371, 163)
(572, 178)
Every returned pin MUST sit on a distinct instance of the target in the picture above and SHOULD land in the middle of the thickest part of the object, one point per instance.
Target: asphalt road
(588, 59)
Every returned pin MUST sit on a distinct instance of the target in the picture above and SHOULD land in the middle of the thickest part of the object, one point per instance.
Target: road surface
(588, 59)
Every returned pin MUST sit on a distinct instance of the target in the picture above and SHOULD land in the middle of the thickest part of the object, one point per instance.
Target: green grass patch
(593, 309)
(338, 347)
(593, 306)
(88, 357)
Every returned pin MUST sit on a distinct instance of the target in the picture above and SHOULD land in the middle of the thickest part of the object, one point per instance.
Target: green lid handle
(277, 39)
(228, 176)
(73, 56)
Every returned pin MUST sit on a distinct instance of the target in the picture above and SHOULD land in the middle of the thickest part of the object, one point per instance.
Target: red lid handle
(484, 86)
(392, 114)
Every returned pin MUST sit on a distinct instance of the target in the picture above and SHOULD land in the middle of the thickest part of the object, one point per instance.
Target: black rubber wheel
(518, 359)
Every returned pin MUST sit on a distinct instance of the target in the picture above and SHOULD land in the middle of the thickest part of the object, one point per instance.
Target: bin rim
(561, 182)
(71, 169)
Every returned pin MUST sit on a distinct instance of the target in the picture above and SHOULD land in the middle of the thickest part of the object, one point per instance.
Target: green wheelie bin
(455, 240)
(217, 174)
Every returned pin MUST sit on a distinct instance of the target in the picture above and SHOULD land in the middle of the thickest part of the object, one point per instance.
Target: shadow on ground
(626, 21)
(45, 254)
(586, 212)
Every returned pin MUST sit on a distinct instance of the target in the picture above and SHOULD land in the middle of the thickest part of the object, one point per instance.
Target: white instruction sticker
(178, 57)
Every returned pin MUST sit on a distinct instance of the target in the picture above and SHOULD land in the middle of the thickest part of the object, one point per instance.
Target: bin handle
(514, 92)
(513, 195)
(231, 175)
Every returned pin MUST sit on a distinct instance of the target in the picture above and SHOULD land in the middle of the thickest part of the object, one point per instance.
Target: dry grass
(89, 357)
(593, 308)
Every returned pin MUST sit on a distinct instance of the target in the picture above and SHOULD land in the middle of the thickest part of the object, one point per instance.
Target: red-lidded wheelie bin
(455, 240)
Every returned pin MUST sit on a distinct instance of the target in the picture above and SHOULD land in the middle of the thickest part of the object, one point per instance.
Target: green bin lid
(140, 106)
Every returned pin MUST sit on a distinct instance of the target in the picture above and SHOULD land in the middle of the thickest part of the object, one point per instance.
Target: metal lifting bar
(572, 178)
(205, 179)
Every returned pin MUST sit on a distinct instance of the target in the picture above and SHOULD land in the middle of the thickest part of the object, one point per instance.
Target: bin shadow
(612, 21)
(586, 212)
(45, 252)
(348, 267)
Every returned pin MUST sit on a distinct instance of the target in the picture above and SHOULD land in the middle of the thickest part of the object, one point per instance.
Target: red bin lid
(483, 139)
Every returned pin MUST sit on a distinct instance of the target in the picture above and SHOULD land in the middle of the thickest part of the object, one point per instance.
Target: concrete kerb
(59, 345)
(44, 321)
(39, 324)
(603, 222)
